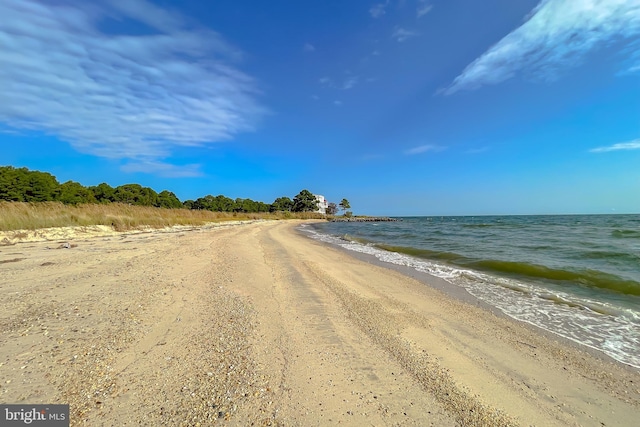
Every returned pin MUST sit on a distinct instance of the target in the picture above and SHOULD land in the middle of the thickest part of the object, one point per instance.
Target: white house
(322, 204)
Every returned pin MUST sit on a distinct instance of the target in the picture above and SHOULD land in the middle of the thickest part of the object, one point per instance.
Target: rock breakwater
(365, 219)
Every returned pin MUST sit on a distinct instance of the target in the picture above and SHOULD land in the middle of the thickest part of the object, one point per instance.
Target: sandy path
(255, 324)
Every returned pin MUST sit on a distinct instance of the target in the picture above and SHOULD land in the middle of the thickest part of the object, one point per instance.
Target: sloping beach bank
(256, 323)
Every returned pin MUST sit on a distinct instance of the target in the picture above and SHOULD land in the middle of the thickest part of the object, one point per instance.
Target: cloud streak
(424, 149)
(423, 9)
(350, 82)
(401, 34)
(118, 95)
(631, 145)
(379, 9)
(557, 34)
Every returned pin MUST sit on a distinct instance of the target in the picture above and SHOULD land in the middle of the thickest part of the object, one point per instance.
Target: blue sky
(404, 107)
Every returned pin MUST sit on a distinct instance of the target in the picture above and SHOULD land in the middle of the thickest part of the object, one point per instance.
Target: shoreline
(461, 294)
(258, 323)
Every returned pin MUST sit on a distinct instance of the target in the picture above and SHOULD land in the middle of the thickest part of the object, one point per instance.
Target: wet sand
(256, 324)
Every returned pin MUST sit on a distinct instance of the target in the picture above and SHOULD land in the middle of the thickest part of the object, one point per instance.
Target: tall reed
(122, 217)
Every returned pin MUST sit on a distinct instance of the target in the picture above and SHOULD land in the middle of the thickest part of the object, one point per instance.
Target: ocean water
(577, 276)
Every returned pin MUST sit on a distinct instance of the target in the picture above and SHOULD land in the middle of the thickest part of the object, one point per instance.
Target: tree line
(23, 185)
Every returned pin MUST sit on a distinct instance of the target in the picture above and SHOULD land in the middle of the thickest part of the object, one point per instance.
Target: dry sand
(256, 324)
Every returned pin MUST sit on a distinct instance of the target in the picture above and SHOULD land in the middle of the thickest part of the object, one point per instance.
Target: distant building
(322, 204)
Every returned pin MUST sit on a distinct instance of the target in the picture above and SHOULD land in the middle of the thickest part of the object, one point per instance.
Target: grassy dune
(122, 217)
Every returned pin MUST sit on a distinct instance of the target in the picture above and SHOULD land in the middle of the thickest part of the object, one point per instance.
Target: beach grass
(122, 217)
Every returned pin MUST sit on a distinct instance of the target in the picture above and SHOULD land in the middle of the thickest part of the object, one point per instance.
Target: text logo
(34, 415)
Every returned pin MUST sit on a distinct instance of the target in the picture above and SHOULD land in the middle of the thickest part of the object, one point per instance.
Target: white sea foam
(613, 330)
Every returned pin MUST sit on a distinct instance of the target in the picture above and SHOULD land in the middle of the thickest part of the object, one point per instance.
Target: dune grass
(122, 217)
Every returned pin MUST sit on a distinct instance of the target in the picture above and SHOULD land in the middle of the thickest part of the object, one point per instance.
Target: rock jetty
(365, 219)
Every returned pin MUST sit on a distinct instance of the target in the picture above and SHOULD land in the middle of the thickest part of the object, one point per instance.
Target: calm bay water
(575, 275)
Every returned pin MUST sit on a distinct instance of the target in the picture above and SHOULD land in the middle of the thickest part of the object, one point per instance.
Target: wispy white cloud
(631, 145)
(631, 53)
(401, 34)
(9, 131)
(337, 102)
(145, 12)
(424, 149)
(137, 97)
(423, 8)
(379, 9)
(557, 34)
(350, 82)
(308, 47)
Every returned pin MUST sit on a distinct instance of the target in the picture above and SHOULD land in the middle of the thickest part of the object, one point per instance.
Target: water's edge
(434, 276)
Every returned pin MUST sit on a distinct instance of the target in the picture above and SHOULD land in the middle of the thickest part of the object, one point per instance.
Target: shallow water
(575, 275)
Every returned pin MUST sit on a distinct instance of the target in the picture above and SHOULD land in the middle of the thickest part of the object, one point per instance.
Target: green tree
(305, 201)
(263, 207)
(166, 199)
(74, 193)
(224, 203)
(13, 183)
(246, 205)
(22, 185)
(41, 187)
(206, 203)
(281, 204)
(344, 205)
(103, 193)
(218, 203)
(332, 209)
(135, 194)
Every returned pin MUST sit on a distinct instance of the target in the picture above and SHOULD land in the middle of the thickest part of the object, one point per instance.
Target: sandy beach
(256, 324)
